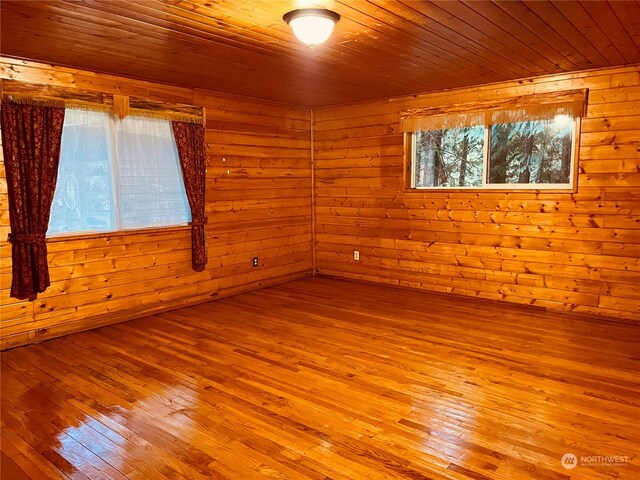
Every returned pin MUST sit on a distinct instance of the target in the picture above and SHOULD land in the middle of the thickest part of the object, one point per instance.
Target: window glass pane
(83, 198)
(531, 152)
(449, 158)
(151, 188)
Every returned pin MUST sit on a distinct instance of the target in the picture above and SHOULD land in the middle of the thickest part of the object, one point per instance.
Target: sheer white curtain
(83, 200)
(150, 184)
(116, 175)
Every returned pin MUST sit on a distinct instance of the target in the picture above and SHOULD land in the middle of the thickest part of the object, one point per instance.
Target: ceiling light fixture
(312, 26)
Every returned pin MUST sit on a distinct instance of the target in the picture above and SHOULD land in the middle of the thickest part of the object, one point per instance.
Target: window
(449, 158)
(534, 153)
(117, 175)
(524, 142)
(531, 154)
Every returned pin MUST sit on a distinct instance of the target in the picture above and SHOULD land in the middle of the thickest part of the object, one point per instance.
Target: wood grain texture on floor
(328, 379)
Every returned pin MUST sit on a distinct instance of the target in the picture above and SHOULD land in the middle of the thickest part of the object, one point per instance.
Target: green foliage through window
(523, 154)
(449, 158)
(531, 152)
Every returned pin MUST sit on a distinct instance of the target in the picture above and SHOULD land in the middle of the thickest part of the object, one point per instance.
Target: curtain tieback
(196, 222)
(27, 238)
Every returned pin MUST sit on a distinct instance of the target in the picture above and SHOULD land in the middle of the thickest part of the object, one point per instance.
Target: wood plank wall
(577, 252)
(262, 208)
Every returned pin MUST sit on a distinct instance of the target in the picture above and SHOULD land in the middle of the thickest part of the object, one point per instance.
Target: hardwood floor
(327, 379)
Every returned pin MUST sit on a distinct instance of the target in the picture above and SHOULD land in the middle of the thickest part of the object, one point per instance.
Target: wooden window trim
(120, 105)
(408, 150)
(117, 233)
(538, 106)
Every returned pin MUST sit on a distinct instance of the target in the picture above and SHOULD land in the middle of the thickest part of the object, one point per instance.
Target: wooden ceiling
(379, 48)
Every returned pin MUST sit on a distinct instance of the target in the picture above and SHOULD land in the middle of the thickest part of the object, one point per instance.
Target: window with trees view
(527, 154)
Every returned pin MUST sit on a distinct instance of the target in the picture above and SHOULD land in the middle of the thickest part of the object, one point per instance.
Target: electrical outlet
(255, 261)
(356, 255)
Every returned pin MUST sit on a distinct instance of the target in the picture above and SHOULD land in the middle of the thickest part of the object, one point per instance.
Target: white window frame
(486, 152)
(114, 178)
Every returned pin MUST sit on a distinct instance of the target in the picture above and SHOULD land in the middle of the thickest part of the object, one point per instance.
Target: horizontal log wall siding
(578, 252)
(575, 252)
(261, 208)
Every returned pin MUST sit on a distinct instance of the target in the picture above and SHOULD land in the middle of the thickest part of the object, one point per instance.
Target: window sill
(119, 233)
(480, 190)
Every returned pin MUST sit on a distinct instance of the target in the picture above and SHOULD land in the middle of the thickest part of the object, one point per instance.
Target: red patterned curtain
(191, 150)
(31, 137)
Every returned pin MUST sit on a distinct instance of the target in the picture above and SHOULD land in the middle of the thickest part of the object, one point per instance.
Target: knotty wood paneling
(261, 207)
(379, 48)
(578, 252)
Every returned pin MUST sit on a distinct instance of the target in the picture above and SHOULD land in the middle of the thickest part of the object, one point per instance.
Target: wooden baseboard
(489, 301)
(37, 336)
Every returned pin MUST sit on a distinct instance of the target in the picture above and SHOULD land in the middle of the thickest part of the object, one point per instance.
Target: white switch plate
(356, 255)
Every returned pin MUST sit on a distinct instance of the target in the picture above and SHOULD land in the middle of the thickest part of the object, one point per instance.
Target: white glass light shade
(312, 26)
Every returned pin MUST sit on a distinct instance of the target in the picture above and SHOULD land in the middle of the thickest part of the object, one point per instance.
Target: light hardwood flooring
(327, 379)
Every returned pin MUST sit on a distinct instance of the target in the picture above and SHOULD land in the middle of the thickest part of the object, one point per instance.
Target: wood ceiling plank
(133, 51)
(183, 52)
(317, 60)
(303, 63)
(134, 18)
(548, 12)
(590, 30)
(258, 19)
(507, 33)
(409, 39)
(444, 38)
(450, 24)
(188, 19)
(527, 17)
(379, 49)
(200, 16)
(121, 28)
(603, 14)
(353, 42)
(261, 19)
(628, 14)
(490, 10)
(144, 69)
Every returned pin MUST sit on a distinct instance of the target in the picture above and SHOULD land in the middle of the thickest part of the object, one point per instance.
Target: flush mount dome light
(312, 26)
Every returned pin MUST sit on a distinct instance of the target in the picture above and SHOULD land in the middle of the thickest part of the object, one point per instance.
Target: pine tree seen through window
(449, 158)
(536, 152)
(530, 154)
